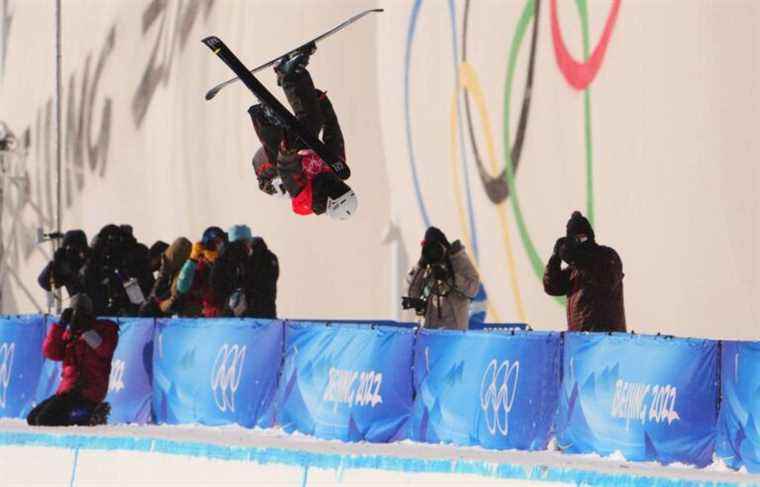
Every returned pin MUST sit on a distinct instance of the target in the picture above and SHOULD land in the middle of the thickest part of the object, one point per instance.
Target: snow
(235, 436)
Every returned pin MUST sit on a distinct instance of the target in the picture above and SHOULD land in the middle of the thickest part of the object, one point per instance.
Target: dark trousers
(315, 112)
(66, 409)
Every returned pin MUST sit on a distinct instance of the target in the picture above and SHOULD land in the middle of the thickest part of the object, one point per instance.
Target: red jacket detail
(312, 166)
(85, 369)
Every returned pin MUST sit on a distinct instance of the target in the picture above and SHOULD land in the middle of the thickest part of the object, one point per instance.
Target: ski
(216, 89)
(268, 99)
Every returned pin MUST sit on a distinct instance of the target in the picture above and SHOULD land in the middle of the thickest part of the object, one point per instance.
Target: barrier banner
(347, 382)
(739, 417)
(20, 362)
(648, 397)
(215, 371)
(129, 387)
(494, 390)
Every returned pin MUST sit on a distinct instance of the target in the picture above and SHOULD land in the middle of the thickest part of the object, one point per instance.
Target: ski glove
(265, 179)
(65, 318)
(559, 246)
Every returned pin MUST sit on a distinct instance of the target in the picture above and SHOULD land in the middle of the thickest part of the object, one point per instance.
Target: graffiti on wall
(499, 181)
(166, 28)
(89, 112)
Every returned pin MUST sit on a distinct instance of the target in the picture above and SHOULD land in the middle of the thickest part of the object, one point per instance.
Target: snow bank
(195, 455)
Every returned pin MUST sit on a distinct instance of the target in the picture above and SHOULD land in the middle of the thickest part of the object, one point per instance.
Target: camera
(417, 304)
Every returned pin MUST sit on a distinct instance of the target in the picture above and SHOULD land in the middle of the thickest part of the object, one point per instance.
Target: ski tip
(378, 10)
(211, 94)
(213, 43)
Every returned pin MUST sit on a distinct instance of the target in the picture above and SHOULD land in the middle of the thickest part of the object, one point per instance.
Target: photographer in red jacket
(85, 345)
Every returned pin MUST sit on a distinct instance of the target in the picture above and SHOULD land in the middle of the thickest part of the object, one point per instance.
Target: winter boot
(295, 63)
(100, 414)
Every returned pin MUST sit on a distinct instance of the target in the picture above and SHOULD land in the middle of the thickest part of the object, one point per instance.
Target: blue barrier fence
(650, 398)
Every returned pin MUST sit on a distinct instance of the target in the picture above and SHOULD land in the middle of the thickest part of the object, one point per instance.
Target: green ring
(527, 15)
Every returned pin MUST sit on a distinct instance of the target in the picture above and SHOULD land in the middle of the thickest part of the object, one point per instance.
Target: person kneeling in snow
(283, 164)
(85, 345)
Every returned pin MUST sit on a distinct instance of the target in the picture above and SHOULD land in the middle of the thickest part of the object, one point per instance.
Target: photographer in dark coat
(245, 275)
(443, 283)
(64, 269)
(85, 345)
(108, 273)
(592, 280)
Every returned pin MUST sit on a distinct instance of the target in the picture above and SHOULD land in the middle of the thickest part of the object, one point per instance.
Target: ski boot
(100, 414)
(294, 63)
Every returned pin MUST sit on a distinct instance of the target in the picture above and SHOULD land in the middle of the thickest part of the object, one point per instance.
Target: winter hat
(434, 234)
(158, 248)
(76, 239)
(81, 302)
(579, 225)
(212, 233)
(239, 232)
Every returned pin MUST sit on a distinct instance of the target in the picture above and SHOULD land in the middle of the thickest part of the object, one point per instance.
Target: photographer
(107, 274)
(85, 345)
(64, 269)
(592, 280)
(193, 283)
(244, 277)
(164, 299)
(442, 284)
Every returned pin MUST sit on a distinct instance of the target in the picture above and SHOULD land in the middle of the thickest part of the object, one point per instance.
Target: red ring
(580, 75)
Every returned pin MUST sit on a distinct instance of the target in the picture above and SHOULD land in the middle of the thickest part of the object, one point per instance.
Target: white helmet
(343, 207)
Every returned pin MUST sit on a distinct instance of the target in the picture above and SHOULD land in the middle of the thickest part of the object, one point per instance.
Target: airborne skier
(284, 164)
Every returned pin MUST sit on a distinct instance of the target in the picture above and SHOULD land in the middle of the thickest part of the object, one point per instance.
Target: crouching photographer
(442, 284)
(85, 345)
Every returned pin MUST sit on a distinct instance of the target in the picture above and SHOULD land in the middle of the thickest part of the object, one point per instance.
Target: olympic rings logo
(498, 389)
(500, 184)
(226, 374)
(7, 351)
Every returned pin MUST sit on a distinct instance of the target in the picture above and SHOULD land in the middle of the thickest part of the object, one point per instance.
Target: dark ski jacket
(593, 284)
(86, 357)
(253, 271)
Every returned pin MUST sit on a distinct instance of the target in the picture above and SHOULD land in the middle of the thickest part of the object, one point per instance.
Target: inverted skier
(284, 164)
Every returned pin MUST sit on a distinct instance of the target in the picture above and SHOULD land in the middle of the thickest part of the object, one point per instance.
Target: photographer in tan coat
(442, 284)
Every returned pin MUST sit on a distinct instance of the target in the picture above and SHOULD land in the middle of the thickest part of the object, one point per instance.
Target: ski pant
(65, 409)
(315, 112)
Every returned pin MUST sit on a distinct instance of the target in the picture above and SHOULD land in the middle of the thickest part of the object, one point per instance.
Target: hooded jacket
(86, 358)
(452, 310)
(67, 262)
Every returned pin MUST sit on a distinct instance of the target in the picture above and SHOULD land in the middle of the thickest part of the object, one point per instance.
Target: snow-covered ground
(273, 447)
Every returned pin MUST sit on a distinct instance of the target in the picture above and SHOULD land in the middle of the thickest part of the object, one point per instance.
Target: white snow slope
(198, 455)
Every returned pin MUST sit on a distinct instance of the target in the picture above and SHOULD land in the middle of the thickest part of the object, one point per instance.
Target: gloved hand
(65, 318)
(569, 250)
(197, 251)
(265, 180)
(559, 246)
(79, 323)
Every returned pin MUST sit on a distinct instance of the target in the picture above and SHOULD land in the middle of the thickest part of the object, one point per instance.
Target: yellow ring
(469, 82)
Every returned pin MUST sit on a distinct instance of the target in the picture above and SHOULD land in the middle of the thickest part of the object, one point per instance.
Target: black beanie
(579, 225)
(76, 239)
(434, 234)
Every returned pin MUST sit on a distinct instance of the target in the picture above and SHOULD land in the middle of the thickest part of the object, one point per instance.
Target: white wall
(671, 112)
